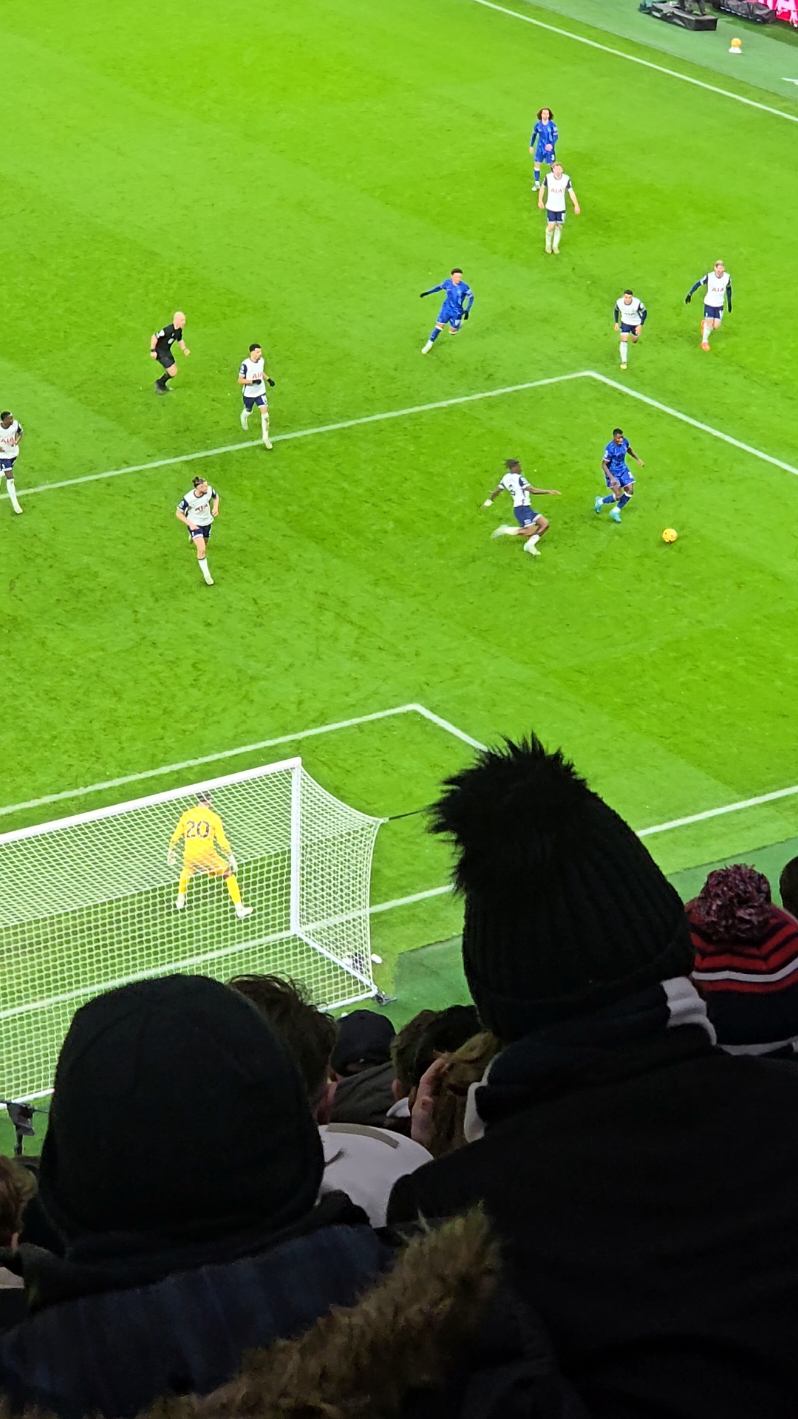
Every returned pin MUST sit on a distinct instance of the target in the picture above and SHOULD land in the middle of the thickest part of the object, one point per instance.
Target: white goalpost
(88, 903)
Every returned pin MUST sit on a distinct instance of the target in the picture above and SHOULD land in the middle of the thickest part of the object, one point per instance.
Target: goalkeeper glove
(688, 298)
(270, 381)
(170, 857)
(233, 863)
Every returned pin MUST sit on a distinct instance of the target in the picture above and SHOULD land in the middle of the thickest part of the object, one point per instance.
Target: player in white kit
(718, 290)
(253, 379)
(630, 317)
(552, 196)
(197, 510)
(531, 524)
(11, 432)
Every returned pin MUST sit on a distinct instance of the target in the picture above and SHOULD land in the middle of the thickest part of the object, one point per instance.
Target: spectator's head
(307, 1033)
(153, 1083)
(364, 1040)
(446, 1032)
(17, 1186)
(788, 886)
(403, 1052)
(565, 910)
(464, 1068)
(742, 939)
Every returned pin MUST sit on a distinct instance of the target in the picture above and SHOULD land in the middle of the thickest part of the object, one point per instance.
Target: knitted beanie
(175, 1110)
(565, 910)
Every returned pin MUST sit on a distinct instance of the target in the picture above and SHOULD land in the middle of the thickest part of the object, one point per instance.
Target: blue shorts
(627, 329)
(7, 465)
(541, 156)
(624, 478)
(524, 516)
(251, 400)
(195, 532)
(713, 312)
(451, 316)
(555, 216)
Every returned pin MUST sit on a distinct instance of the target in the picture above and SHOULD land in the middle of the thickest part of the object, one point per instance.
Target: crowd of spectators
(574, 1198)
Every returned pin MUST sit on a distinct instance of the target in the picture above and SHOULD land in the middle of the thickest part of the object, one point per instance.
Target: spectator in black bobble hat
(746, 963)
(643, 1181)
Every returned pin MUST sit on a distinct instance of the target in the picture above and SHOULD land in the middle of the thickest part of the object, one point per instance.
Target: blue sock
(537, 176)
(610, 498)
(623, 500)
(434, 335)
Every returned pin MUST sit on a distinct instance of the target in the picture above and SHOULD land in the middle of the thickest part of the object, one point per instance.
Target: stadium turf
(297, 176)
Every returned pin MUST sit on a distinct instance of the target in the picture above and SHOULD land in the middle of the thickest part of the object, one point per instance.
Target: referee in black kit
(161, 349)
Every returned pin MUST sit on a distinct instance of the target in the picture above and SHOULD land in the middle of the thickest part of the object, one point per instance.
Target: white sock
(244, 418)
(264, 428)
(624, 351)
(11, 489)
(203, 566)
(548, 239)
(705, 329)
(557, 233)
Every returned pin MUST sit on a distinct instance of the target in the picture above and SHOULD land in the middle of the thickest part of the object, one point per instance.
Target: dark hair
(195, 482)
(449, 1030)
(543, 110)
(788, 886)
(256, 346)
(456, 271)
(307, 1033)
(616, 431)
(17, 1187)
(6, 414)
(511, 463)
(404, 1046)
(733, 905)
(627, 292)
(204, 796)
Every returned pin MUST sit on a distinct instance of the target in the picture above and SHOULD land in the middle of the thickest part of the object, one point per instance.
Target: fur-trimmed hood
(437, 1335)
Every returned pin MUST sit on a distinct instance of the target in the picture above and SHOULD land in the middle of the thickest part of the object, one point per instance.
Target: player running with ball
(619, 478)
(253, 379)
(457, 302)
(531, 525)
(719, 289)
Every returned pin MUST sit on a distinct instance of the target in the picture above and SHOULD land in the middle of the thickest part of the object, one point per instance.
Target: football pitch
(296, 176)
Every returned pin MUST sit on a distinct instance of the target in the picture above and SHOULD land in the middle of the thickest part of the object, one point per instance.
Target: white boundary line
(421, 409)
(635, 59)
(299, 434)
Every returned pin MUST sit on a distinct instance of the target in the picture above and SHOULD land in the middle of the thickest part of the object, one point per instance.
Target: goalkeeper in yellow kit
(202, 833)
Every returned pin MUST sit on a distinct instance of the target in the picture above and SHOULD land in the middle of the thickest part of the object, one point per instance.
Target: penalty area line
(636, 59)
(299, 434)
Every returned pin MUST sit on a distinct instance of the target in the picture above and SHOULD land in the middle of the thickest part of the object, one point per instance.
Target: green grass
(298, 180)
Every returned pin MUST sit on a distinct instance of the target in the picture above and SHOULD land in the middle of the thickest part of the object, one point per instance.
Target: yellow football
(669, 535)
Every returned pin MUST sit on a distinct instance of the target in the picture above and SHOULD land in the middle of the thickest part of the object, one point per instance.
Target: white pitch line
(407, 901)
(213, 758)
(299, 434)
(646, 63)
(694, 423)
(450, 728)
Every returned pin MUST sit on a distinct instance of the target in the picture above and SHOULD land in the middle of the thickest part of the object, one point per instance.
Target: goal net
(89, 903)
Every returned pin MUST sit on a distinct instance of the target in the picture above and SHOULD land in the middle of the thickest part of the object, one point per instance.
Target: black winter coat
(649, 1210)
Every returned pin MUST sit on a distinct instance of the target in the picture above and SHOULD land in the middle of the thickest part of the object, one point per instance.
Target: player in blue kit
(618, 477)
(456, 308)
(543, 142)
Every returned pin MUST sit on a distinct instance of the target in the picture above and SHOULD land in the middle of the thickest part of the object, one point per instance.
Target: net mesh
(88, 903)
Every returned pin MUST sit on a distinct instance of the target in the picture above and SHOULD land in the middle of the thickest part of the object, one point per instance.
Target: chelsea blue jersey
(544, 133)
(455, 296)
(615, 455)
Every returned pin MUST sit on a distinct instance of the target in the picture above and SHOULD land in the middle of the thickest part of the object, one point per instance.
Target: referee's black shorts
(164, 356)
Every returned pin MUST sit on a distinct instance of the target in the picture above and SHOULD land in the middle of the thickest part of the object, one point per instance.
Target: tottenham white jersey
(9, 448)
(716, 288)
(253, 369)
(556, 188)
(518, 488)
(630, 314)
(198, 508)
